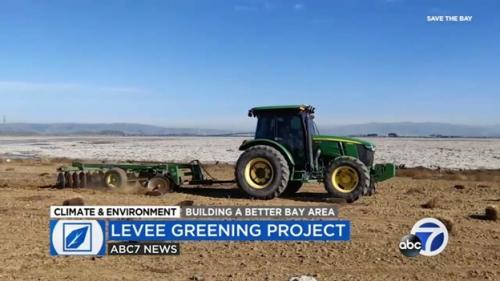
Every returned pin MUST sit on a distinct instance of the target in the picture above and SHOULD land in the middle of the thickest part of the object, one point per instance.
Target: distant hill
(116, 129)
(415, 129)
(130, 129)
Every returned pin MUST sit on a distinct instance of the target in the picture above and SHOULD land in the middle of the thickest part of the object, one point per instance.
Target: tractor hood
(329, 138)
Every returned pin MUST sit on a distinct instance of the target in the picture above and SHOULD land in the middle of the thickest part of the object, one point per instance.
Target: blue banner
(230, 230)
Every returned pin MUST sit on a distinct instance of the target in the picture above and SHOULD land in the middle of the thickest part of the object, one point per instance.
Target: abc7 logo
(410, 245)
(428, 237)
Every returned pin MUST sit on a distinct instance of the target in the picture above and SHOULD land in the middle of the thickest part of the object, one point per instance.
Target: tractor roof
(281, 108)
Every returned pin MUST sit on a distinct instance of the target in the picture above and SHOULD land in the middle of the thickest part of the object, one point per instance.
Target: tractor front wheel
(262, 172)
(347, 178)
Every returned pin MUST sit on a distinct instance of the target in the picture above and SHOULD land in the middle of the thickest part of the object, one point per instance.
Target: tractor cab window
(290, 133)
(265, 128)
(289, 127)
(285, 129)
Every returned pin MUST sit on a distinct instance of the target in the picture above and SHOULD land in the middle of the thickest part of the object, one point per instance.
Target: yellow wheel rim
(259, 173)
(345, 179)
(112, 181)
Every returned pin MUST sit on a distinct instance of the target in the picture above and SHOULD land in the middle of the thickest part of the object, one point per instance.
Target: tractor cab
(290, 126)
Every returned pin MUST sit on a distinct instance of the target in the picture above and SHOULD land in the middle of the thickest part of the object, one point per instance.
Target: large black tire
(292, 188)
(115, 178)
(356, 174)
(262, 172)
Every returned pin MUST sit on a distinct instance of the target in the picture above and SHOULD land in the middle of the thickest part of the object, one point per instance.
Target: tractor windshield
(283, 127)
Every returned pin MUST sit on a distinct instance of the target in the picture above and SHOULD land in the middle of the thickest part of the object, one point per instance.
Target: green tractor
(288, 150)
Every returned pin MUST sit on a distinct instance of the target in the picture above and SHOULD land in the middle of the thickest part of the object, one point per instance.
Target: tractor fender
(288, 156)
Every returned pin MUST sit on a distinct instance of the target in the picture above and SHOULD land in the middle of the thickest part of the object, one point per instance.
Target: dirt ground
(378, 223)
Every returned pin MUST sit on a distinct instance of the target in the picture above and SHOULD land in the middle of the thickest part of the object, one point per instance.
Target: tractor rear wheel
(262, 172)
(115, 178)
(347, 178)
(292, 187)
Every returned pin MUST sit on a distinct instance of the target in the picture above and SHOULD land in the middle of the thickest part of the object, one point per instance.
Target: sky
(204, 63)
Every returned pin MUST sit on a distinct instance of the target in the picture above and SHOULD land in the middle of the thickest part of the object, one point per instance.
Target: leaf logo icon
(76, 237)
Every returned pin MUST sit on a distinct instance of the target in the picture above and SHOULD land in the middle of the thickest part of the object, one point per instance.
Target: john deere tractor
(288, 150)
